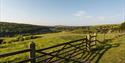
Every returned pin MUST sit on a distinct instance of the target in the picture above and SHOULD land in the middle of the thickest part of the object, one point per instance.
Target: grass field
(111, 55)
(115, 54)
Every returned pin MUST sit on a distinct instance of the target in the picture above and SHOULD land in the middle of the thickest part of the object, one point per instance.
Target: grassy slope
(115, 54)
(56, 38)
(13, 29)
(46, 41)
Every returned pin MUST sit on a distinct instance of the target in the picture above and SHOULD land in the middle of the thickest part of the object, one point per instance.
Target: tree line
(11, 29)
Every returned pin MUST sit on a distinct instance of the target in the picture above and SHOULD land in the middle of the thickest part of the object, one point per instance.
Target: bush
(20, 38)
(122, 26)
(1, 41)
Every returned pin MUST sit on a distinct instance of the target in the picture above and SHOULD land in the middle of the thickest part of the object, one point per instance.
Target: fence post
(32, 53)
(88, 42)
(95, 38)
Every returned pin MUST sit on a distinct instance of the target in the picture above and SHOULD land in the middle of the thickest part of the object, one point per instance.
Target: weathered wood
(32, 52)
(61, 49)
(95, 38)
(69, 49)
(59, 57)
(14, 53)
(61, 44)
(88, 42)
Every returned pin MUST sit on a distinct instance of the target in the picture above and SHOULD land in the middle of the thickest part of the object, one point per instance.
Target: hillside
(11, 29)
(102, 54)
(106, 54)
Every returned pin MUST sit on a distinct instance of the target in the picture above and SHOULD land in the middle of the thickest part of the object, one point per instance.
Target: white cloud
(88, 16)
(101, 18)
(80, 13)
(84, 15)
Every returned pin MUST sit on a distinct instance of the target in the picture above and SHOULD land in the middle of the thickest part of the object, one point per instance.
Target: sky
(63, 12)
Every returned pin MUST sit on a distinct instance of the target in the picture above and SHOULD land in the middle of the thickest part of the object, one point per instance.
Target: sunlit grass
(56, 38)
(115, 54)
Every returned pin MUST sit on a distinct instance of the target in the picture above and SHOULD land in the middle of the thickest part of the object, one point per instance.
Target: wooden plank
(32, 52)
(59, 57)
(60, 44)
(14, 53)
(63, 49)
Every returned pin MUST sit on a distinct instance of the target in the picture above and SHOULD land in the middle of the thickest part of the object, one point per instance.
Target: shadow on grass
(95, 54)
(81, 55)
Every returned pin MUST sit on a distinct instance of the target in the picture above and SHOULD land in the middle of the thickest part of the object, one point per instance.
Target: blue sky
(62, 12)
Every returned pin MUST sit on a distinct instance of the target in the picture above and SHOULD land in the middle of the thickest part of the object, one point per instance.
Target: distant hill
(11, 29)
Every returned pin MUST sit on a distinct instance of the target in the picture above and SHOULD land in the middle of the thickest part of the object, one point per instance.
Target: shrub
(1, 41)
(20, 38)
(122, 26)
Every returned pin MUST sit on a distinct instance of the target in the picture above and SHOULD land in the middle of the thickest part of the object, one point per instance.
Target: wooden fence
(65, 52)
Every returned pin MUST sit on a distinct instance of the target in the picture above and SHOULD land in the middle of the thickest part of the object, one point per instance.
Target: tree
(122, 26)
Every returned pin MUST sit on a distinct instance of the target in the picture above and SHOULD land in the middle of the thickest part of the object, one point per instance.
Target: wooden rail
(14, 53)
(58, 53)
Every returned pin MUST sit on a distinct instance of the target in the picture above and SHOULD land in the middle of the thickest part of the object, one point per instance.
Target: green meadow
(111, 55)
(110, 47)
